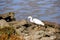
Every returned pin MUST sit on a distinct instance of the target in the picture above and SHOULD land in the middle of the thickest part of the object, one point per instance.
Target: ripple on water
(42, 9)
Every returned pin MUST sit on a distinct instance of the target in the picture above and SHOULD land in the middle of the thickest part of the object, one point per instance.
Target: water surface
(48, 10)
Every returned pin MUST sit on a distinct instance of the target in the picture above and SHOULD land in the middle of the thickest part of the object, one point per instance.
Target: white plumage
(36, 21)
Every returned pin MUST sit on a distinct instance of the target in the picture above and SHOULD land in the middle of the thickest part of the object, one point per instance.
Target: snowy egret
(35, 20)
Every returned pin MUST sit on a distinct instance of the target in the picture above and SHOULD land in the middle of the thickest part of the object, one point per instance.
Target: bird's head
(29, 17)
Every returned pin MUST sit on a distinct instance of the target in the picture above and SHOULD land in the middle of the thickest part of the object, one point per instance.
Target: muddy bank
(25, 30)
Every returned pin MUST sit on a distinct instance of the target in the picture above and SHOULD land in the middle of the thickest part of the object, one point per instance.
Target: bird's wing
(37, 20)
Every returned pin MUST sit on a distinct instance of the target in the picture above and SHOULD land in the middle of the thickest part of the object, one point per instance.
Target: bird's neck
(31, 19)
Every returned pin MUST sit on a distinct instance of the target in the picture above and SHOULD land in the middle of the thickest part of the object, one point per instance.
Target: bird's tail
(42, 24)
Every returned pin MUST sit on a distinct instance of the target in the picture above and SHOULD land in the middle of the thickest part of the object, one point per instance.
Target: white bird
(35, 20)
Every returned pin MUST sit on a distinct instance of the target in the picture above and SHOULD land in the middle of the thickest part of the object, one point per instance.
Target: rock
(8, 16)
(36, 35)
(19, 30)
(27, 38)
(52, 24)
(50, 31)
(19, 26)
(46, 38)
(53, 37)
(19, 23)
(57, 36)
(3, 23)
(22, 22)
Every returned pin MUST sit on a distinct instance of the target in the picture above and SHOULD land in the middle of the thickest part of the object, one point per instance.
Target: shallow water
(47, 10)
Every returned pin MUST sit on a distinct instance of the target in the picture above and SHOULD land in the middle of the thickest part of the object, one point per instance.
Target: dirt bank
(25, 30)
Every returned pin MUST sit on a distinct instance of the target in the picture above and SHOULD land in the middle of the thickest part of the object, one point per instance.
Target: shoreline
(30, 31)
(11, 29)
